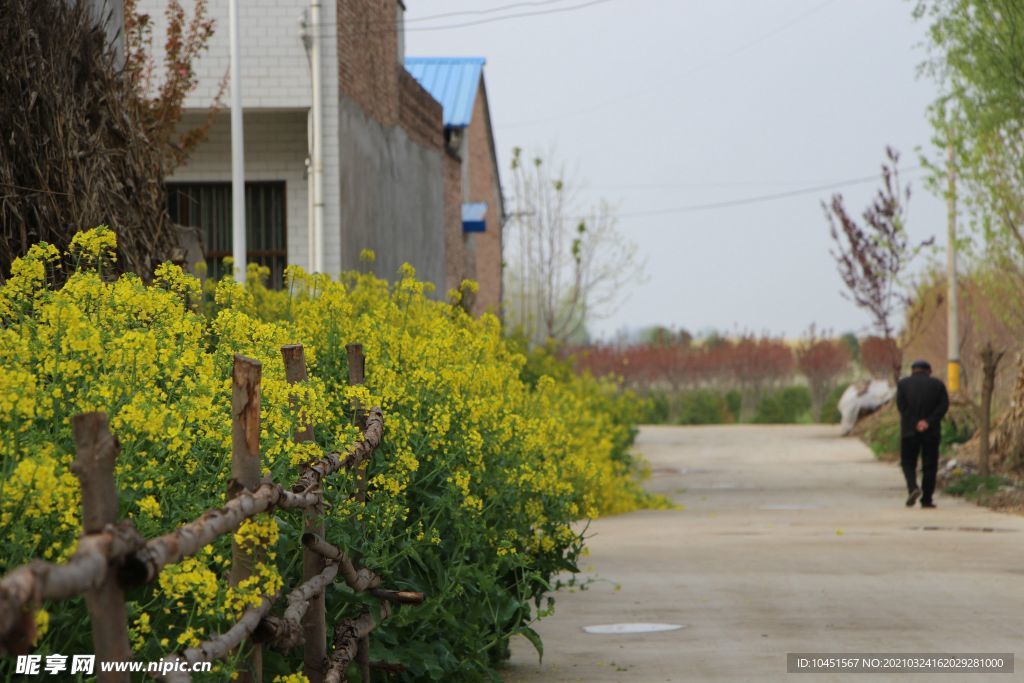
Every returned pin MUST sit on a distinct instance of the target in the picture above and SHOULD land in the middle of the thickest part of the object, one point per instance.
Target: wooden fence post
(96, 452)
(314, 622)
(356, 376)
(245, 473)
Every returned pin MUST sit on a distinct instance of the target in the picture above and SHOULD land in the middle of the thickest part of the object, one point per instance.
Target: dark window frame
(266, 228)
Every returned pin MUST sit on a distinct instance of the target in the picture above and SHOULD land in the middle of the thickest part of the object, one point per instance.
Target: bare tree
(873, 258)
(567, 268)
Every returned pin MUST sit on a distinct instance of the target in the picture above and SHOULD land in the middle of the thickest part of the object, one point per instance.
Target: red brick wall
(420, 115)
(454, 245)
(368, 56)
(484, 186)
(369, 72)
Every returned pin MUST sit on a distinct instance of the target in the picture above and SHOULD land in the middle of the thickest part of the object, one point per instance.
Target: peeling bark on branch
(286, 632)
(189, 539)
(398, 597)
(346, 641)
(359, 580)
(310, 479)
(28, 585)
(119, 548)
(222, 645)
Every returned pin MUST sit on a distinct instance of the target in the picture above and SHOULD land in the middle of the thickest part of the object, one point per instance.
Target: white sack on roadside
(861, 398)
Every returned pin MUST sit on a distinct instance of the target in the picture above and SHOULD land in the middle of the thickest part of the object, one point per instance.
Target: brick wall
(419, 113)
(393, 173)
(454, 251)
(485, 186)
(368, 68)
(370, 74)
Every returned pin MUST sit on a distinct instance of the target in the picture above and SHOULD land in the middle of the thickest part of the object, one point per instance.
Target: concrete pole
(953, 306)
(318, 140)
(238, 249)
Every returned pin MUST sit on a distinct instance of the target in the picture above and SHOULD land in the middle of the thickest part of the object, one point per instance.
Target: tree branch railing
(113, 557)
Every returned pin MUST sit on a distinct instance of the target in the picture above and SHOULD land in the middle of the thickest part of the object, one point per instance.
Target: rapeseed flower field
(477, 495)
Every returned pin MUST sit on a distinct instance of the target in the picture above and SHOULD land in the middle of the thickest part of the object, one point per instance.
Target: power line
(661, 86)
(557, 10)
(491, 10)
(710, 184)
(752, 200)
(394, 25)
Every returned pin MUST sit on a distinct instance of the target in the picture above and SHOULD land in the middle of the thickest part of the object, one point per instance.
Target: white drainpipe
(310, 244)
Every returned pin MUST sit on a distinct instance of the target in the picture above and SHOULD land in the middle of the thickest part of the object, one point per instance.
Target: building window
(207, 206)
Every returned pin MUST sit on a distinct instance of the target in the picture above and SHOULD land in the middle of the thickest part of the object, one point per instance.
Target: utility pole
(953, 307)
(238, 249)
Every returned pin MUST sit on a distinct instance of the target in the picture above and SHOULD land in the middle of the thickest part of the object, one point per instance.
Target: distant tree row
(752, 365)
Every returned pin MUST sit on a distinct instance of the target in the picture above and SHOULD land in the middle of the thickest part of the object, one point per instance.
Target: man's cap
(920, 365)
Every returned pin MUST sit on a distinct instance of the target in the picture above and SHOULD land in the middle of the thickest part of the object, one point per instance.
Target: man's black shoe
(928, 505)
(912, 498)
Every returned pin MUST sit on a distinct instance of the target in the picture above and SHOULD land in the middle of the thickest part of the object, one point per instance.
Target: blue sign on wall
(473, 217)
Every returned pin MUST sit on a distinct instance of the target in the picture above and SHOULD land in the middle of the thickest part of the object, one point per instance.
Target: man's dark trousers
(926, 444)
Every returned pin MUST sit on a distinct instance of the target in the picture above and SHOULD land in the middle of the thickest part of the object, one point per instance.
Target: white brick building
(276, 96)
(392, 180)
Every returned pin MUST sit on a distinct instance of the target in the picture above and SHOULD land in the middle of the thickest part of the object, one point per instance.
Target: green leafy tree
(977, 58)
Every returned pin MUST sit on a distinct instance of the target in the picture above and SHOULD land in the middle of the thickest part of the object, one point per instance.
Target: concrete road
(791, 540)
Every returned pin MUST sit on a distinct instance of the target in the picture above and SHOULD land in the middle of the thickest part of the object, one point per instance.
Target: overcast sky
(662, 104)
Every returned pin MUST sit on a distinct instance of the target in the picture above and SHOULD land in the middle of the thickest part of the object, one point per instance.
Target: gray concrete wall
(392, 198)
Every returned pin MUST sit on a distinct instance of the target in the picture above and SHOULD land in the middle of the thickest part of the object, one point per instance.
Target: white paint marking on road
(789, 506)
(611, 629)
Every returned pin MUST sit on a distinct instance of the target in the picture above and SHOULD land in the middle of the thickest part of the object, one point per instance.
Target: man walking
(922, 401)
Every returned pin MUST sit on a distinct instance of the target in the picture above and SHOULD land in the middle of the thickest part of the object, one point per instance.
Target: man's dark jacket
(921, 397)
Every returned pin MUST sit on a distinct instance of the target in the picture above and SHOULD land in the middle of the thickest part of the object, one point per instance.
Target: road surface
(791, 540)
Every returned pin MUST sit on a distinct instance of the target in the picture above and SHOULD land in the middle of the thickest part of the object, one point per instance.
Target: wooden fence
(113, 557)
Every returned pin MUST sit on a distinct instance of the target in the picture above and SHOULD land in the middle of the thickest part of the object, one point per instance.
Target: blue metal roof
(452, 81)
